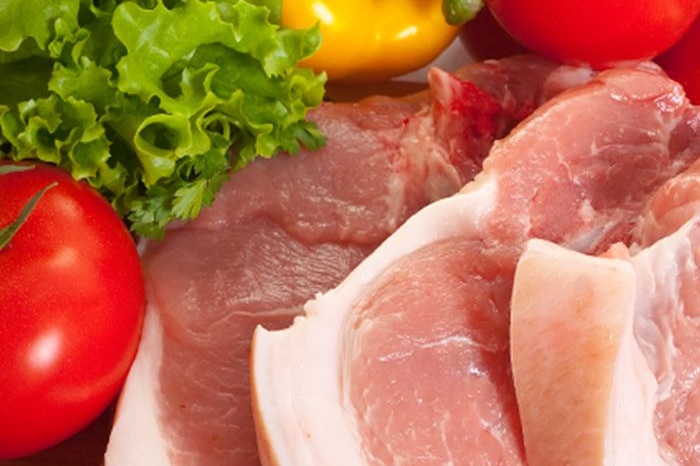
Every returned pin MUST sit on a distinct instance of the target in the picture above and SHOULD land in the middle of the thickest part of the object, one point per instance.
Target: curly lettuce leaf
(154, 102)
(37, 24)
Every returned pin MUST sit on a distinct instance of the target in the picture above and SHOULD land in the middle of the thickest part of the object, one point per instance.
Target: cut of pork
(667, 327)
(407, 360)
(667, 314)
(285, 229)
(673, 205)
(586, 395)
(606, 368)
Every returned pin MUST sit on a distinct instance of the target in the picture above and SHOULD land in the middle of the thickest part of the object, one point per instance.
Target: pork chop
(585, 392)
(605, 368)
(666, 257)
(285, 229)
(407, 360)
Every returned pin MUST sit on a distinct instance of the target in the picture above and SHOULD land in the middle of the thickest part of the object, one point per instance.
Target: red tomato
(596, 32)
(682, 64)
(71, 309)
(484, 38)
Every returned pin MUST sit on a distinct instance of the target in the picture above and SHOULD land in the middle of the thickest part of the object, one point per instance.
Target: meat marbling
(407, 360)
(585, 392)
(285, 229)
(619, 376)
(667, 310)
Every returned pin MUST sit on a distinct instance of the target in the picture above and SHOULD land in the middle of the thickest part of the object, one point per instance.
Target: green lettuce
(154, 103)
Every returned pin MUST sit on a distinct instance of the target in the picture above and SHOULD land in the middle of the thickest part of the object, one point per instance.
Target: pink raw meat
(677, 201)
(584, 389)
(667, 261)
(606, 368)
(285, 229)
(407, 360)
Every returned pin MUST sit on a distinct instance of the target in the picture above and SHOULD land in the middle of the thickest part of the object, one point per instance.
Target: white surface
(454, 57)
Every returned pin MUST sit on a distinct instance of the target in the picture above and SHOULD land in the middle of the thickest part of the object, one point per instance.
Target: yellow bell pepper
(371, 40)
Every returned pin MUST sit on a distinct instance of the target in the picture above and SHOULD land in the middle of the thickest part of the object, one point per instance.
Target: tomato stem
(5, 169)
(8, 232)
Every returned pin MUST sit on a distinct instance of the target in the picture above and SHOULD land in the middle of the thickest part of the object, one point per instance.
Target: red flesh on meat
(285, 229)
(605, 369)
(409, 355)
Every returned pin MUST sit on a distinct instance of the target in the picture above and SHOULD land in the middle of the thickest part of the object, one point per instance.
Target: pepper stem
(458, 12)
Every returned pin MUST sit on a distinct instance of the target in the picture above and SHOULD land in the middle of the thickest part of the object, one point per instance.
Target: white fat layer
(643, 369)
(630, 435)
(595, 296)
(440, 178)
(660, 303)
(658, 268)
(299, 383)
(136, 438)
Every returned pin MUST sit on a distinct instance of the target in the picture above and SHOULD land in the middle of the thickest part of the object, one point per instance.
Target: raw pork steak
(407, 360)
(285, 229)
(585, 392)
(606, 367)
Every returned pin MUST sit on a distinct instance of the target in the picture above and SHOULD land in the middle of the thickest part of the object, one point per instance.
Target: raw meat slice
(667, 323)
(675, 203)
(407, 360)
(667, 328)
(605, 369)
(284, 229)
(586, 395)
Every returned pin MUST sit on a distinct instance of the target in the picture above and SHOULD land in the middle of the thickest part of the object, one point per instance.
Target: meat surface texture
(666, 258)
(668, 330)
(606, 369)
(285, 229)
(616, 343)
(407, 361)
(585, 392)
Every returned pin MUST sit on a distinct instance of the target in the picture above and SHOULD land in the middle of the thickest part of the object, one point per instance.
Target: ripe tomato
(485, 38)
(682, 64)
(596, 32)
(71, 309)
